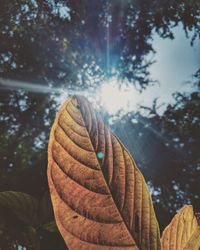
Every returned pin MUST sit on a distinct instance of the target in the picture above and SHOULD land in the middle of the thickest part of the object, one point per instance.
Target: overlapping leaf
(183, 233)
(99, 196)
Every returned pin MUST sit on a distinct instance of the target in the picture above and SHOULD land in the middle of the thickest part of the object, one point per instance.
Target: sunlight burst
(116, 96)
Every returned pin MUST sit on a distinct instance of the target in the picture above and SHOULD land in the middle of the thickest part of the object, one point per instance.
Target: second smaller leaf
(183, 233)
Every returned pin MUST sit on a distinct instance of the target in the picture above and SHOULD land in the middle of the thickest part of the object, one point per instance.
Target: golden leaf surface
(183, 233)
(100, 198)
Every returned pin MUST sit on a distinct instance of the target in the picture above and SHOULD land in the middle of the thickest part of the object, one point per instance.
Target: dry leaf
(183, 233)
(100, 198)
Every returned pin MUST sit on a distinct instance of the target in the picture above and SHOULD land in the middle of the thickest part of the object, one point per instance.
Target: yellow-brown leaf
(183, 233)
(99, 196)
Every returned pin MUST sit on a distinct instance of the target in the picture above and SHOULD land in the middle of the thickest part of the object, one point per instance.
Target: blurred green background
(137, 61)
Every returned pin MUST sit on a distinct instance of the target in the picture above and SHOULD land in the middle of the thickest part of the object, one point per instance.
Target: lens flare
(26, 86)
(113, 95)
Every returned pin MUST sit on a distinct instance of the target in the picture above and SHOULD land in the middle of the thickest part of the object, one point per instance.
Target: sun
(117, 96)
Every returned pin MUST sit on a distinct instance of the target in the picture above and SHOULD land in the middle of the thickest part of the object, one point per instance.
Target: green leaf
(22, 205)
(50, 226)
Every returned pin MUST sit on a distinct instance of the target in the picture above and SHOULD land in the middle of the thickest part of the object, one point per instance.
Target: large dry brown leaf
(183, 233)
(99, 196)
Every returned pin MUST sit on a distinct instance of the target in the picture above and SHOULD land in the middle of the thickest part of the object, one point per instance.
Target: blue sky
(176, 61)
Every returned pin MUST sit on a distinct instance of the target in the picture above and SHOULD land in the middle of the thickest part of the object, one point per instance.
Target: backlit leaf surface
(99, 196)
(183, 233)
